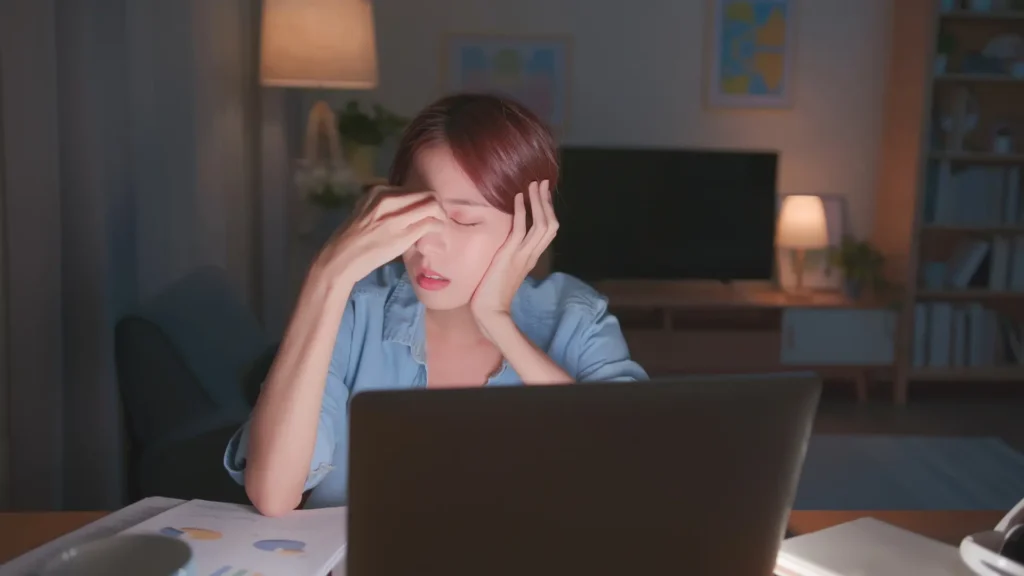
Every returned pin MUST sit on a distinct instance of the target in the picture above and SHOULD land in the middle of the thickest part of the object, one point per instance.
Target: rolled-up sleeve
(333, 416)
(323, 450)
(603, 355)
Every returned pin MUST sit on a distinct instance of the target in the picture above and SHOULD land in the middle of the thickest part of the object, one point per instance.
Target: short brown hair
(498, 143)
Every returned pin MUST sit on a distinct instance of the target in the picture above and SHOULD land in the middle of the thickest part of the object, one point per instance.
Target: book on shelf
(995, 264)
(964, 335)
(969, 195)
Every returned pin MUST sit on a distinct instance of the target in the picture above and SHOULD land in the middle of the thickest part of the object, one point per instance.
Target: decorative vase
(362, 158)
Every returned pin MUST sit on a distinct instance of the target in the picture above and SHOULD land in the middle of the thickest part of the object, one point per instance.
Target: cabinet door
(838, 337)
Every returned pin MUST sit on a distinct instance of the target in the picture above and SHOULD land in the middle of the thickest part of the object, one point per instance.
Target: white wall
(636, 79)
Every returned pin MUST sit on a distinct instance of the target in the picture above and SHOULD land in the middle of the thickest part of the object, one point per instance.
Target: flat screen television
(665, 214)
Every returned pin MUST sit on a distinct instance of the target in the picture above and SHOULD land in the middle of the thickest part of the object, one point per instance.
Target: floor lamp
(325, 44)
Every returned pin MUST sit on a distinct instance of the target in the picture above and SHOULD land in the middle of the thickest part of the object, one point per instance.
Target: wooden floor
(940, 410)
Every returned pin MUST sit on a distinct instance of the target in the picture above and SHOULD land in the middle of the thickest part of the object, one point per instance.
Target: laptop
(694, 476)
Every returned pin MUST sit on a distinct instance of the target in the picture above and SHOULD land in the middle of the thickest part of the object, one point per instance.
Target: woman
(469, 213)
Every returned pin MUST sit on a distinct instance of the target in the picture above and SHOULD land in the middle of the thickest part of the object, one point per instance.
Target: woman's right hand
(384, 224)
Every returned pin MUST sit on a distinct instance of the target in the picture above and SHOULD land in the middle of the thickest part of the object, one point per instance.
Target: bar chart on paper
(235, 540)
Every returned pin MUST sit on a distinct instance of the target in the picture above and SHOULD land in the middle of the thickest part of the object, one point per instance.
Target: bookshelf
(950, 191)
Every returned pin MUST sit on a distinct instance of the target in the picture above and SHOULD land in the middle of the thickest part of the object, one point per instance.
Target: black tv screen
(665, 214)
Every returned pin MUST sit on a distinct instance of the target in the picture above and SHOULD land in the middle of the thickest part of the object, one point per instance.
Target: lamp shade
(802, 223)
(318, 44)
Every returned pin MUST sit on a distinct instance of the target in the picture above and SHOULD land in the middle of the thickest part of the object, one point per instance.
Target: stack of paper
(867, 547)
(226, 539)
(235, 540)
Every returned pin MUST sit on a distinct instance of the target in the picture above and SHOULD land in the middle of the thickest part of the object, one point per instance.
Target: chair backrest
(216, 334)
(185, 353)
(158, 389)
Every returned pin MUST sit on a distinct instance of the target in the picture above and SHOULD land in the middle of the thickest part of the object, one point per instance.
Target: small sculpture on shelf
(326, 185)
(863, 267)
(325, 181)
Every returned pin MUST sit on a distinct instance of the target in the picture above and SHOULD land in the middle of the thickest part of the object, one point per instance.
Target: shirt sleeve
(603, 353)
(333, 415)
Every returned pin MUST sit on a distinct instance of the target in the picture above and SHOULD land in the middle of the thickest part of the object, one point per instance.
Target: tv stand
(708, 327)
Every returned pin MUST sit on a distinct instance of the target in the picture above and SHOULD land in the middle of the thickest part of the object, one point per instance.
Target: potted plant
(862, 265)
(363, 132)
(946, 46)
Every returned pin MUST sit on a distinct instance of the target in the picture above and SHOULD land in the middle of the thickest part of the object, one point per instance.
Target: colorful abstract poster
(752, 54)
(532, 71)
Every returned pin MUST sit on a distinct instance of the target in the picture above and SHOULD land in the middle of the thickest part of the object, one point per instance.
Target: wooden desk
(24, 531)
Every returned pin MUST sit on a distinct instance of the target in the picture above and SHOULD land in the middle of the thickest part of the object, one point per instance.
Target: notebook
(867, 546)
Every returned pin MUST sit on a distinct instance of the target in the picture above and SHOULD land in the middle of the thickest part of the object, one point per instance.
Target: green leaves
(368, 128)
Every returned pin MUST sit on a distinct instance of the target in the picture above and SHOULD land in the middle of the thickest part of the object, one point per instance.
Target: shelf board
(978, 230)
(978, 157)
(979, 15)
(996, 78)
(969, 295)
(969, 374)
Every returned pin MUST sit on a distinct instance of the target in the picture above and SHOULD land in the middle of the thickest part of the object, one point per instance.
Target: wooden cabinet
(693, 328)
(838, 336)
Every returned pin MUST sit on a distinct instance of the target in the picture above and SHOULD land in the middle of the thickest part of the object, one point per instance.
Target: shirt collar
(403, 316)
(403, 319)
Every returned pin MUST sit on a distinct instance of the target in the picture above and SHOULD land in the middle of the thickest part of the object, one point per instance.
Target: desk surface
(24, 531)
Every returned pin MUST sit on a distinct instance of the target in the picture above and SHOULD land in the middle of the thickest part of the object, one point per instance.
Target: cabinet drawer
(838, 336)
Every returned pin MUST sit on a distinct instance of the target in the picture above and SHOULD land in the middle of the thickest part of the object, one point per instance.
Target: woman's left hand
(517, 257)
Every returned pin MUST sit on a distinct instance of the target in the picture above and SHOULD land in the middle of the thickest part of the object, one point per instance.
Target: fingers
(545, 224)
(548, 204)
(539, 216)
(518, 220)
(404, 217)
(413, 232)
(385, 200)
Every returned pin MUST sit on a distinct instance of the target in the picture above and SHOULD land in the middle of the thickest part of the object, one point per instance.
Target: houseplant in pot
(862, 265)
(362, 133)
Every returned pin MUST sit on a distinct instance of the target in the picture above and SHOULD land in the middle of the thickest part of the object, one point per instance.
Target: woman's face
(446, 267)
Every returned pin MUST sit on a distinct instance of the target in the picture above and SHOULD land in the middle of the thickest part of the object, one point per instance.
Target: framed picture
(751, 54)
(533, 70)
(819, 271)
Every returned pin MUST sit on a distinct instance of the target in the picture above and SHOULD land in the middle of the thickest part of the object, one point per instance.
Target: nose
(432, 244)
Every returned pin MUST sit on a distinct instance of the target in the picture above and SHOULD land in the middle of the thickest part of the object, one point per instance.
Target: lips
(430, 280)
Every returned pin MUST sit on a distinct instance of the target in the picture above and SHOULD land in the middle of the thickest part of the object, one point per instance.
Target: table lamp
(319, 44)
(802, 226)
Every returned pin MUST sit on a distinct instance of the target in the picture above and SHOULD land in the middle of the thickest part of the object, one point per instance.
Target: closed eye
(467, 224)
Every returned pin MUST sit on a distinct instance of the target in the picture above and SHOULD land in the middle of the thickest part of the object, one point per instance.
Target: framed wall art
(533, 70)
(751, 54)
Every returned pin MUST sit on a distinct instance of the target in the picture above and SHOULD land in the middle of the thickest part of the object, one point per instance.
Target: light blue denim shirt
(380, 344)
